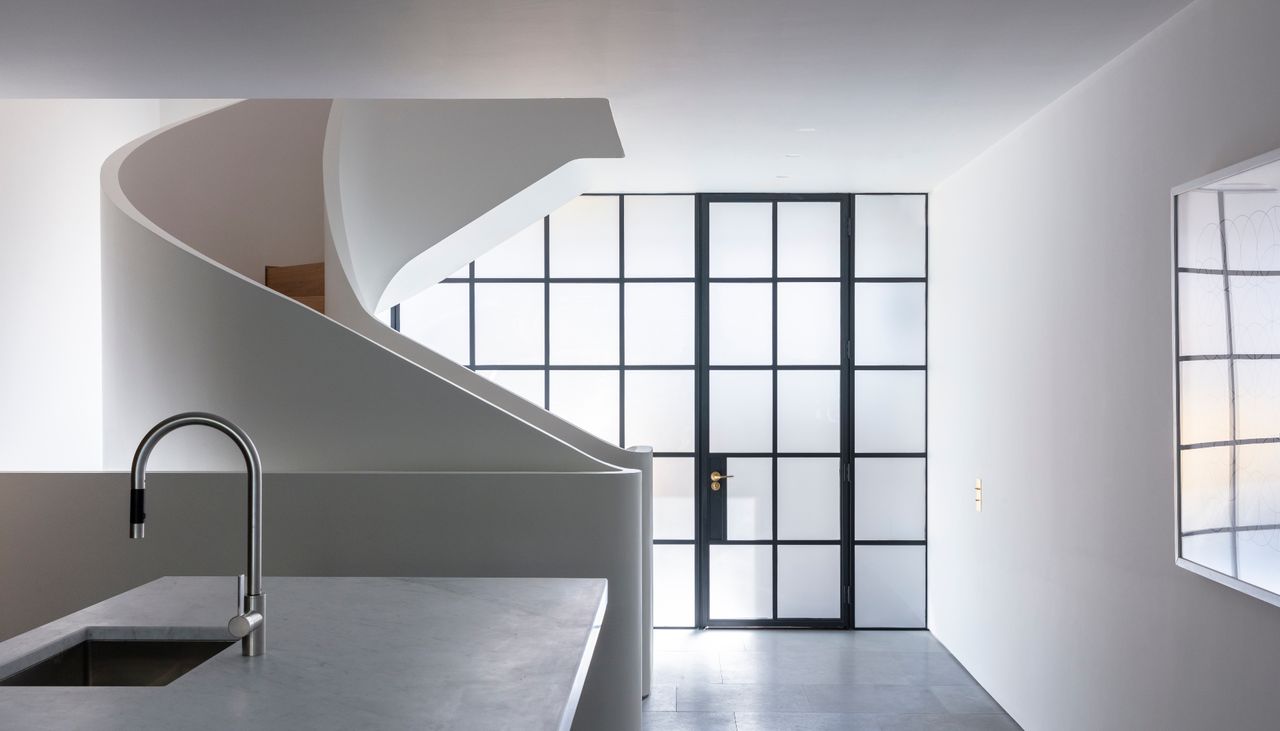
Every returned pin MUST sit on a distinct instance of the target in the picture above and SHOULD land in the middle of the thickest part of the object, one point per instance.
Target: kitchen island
(341, 653)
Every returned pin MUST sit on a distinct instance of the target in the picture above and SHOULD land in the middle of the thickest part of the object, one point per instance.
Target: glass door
(772, 474)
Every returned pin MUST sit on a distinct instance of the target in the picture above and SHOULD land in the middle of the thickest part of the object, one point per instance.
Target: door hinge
(848, 595)
(848, 349)
(848, 473)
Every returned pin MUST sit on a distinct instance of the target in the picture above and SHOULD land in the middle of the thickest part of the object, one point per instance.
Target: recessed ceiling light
(792, 154)
(782, 177)
(807, 129)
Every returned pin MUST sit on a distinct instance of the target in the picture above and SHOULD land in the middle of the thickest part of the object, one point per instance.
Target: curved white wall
(242, 186)
(183, 330)
(427, 185)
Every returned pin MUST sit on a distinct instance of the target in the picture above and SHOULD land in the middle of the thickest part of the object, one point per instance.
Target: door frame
(702, 390)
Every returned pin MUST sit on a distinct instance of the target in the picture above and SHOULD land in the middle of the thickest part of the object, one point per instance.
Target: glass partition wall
(776, 342)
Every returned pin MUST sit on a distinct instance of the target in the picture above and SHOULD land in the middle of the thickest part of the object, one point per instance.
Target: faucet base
(254, 643)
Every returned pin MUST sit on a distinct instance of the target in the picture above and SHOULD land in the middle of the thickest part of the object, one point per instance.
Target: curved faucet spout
(252, 601)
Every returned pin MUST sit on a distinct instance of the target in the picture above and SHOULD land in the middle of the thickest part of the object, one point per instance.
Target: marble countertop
(341, 653)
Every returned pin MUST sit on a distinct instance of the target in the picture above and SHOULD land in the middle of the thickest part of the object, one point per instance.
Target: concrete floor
(788, 680)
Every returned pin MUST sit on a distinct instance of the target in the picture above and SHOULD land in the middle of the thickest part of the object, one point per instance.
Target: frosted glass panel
(588, 399)
(808, 323)
(741, 239)
(809, 411)
(1253, 237)
(1206, 488)
(888, 586)
(509, 322)
(1257, 485)
(659, 324)
(888, 499)
(521, 255)
(531, 385)
(741, 582)
(440, 318)
(659, 410)
(673, 586)
(889, 236)
(1204, 402)
(673, 498)
(809, 582)
(1198, 244)
(741, 324)
(584, 238)
(1202, 314)
(1257, 398)
(1258, 553)
(809, 498)
(741, 411)
(659, 235)
(888, 411)
(1255, 314)
(888, 324)
(809, 239)
(584, 324)
(749, 498)
(1211, 550)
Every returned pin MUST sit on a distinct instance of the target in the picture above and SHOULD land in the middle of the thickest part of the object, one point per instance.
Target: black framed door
(772, 490)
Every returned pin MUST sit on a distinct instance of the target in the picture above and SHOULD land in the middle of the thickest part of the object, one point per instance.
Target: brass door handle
(716, 477)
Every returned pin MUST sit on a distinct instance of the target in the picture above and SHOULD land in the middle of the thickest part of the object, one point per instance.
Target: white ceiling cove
(710, 95)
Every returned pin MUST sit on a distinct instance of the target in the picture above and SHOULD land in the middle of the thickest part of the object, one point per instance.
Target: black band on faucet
(137, 514)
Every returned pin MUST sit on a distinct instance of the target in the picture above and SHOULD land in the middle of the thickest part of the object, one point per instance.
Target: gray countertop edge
(580, 677)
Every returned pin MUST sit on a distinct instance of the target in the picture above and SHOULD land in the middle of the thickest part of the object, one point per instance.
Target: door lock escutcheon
(716, 477)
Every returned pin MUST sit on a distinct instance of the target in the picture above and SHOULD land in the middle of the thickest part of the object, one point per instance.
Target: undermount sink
(104, 662)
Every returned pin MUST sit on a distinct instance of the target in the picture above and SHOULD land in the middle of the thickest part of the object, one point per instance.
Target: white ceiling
(707, 94)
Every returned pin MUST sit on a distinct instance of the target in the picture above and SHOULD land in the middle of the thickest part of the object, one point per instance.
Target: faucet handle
(242, 624)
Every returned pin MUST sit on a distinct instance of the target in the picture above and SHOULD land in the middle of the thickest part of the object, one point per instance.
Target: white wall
(50, 313)
(1050, 378)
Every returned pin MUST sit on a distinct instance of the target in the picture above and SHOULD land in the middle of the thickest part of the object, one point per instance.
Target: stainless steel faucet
(249, 623)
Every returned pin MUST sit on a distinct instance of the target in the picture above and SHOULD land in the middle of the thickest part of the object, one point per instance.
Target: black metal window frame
(701, 370)
(622, 368)
(855, 368)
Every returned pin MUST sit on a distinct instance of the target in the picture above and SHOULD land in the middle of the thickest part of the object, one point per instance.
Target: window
(1227, 370)
(811, 315)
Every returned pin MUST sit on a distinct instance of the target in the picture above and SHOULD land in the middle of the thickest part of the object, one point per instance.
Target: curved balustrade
(191, 215)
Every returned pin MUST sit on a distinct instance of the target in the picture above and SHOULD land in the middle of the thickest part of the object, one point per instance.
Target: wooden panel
(302, 280)
(315, 303)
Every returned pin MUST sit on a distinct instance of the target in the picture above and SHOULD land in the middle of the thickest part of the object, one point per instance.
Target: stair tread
(299, 280)
(315, 302)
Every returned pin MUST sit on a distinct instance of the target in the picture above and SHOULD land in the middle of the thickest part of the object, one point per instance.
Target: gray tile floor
(789, 680)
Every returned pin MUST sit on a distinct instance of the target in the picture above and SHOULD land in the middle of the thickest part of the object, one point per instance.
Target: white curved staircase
(193, 216)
